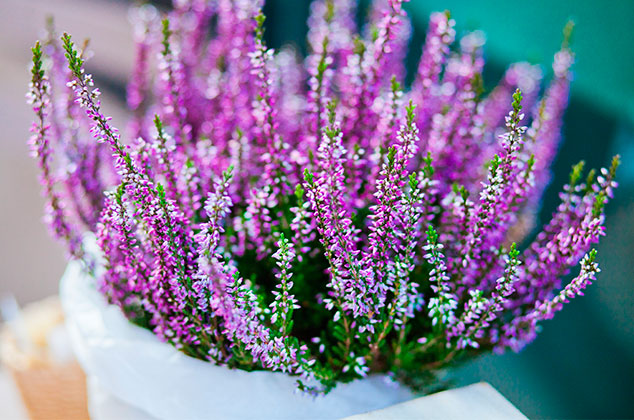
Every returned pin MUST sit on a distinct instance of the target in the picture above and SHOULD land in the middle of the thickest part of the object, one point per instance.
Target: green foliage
(167, 33)
(412, 181)
(568, 32)
(259, 29)
(530, 163)
(309, 177)
(494, 164)
(592, 255)
(517, 102)
(616, 162)
(330, 11)
(514, 253)
(322, 66)
(599, 203)
(411, 115)
(432, 235)
(37, 73)
(158, 124)
(299, 193)
(359, 46)
(391, 153)
(428, 169)
(395, 86)
(590, 181)
(75, 62)
(575, 174)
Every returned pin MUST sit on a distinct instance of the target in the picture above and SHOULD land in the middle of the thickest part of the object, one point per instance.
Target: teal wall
(531, 30)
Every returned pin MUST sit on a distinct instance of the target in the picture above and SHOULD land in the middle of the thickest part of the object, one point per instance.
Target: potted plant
(273, 221)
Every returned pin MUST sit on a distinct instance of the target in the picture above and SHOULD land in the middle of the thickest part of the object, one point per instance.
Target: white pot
(130, 372)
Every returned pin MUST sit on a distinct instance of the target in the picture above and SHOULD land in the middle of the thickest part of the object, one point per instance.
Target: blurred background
(582, 365)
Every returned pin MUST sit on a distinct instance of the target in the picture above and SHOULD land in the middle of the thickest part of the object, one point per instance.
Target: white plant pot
(133, 374)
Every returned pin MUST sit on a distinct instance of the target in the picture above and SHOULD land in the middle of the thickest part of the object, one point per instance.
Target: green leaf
(517, 102)
(575, 174)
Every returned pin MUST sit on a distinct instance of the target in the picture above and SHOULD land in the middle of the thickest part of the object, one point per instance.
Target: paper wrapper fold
(135, 367)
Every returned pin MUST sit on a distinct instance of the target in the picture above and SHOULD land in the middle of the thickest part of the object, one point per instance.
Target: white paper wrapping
(135, 367)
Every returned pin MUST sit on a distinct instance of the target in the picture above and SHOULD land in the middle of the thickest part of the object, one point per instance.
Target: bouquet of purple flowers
(310, 216)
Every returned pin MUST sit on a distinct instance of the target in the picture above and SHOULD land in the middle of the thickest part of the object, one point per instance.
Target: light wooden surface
(477, 401)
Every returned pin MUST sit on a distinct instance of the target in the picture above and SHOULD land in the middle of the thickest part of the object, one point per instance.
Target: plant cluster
(310, 216)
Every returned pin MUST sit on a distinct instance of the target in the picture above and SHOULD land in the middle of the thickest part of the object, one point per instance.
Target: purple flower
(350, 234)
